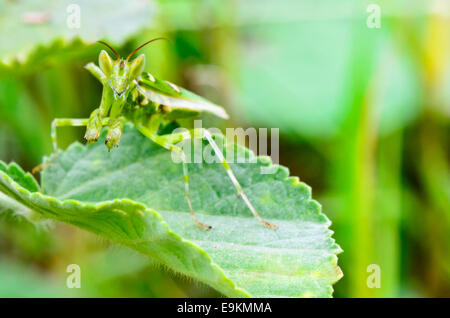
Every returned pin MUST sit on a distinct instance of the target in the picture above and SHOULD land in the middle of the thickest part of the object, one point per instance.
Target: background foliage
(363, 117)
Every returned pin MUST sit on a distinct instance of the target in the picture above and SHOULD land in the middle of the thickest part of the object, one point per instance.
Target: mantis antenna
(107, 45)
(141, 46)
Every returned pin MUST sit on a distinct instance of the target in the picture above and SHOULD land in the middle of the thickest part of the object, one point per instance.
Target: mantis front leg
(96, 119)
(114, 132)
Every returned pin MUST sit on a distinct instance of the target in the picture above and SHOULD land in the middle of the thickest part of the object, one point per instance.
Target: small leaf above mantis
(45, 32)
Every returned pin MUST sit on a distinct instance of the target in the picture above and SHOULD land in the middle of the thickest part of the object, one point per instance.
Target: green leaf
(116, 195)
(45, 32)
(25, 180)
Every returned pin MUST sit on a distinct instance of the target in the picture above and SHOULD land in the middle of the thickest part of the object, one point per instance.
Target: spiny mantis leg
(69, 122)
(165, 141)
(203, 133)
(63, 122)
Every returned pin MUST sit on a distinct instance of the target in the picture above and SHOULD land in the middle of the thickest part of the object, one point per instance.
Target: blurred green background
(363, 115)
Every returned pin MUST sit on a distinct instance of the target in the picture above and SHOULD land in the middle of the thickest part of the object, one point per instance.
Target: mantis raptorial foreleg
(168, 142)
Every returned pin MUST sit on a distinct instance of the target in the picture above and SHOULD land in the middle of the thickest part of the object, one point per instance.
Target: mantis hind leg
(187, 193)
(205, 134)
(166, 141)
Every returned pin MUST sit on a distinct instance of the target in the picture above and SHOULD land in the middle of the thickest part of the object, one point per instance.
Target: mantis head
(121, 72)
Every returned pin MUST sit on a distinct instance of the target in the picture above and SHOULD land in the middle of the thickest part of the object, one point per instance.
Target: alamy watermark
(74, 279)
(73, 20)
(373, 21)
(197, 152)
(374, 279)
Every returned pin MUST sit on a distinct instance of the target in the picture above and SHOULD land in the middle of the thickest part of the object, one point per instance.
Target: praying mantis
(131, 95)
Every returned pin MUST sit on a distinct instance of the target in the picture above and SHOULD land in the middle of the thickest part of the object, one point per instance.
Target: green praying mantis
(130, 95)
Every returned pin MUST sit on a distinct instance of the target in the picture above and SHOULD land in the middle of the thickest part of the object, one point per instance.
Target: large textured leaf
(116, 195)
(44, 31)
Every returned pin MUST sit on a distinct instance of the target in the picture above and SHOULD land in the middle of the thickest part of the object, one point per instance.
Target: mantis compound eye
(105, 62)
(137, 66)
